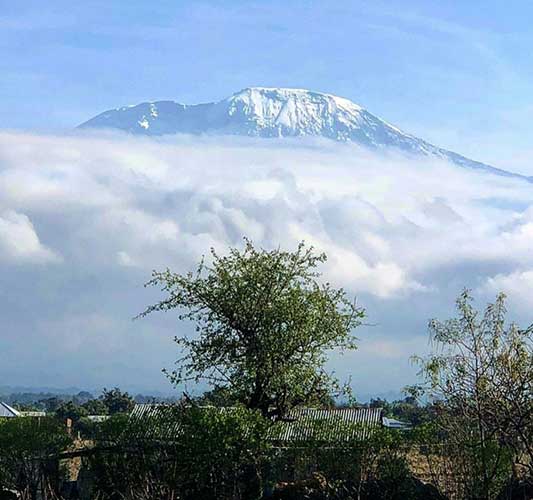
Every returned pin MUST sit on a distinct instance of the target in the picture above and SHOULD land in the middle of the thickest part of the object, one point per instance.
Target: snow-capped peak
(282, 111)
(287, 94)
(274, 112)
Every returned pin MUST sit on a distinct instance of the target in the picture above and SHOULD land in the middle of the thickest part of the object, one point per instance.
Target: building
(392, 423)
(300, 424)
(33, 414)
(331, 424)
(7, 411)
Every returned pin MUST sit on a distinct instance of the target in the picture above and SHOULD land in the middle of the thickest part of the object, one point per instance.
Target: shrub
(28, 455)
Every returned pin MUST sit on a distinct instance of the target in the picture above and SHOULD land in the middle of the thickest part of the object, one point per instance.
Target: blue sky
(456, 73)
(84, 218)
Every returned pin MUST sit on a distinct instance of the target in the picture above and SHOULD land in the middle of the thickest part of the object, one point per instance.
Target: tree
(219, 396)
(481, 375)
(70, 410)
(265, 325)
(511, 393)
(95, 407)
(83, 397)
(117, 401)
(51, 404)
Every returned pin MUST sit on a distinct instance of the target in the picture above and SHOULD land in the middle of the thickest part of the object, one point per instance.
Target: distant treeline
(50, 401)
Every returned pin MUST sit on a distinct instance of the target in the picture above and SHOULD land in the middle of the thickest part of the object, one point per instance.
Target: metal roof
(335, 424)
(163, 425)
(393, 423)
(301, 424)
(7, 412)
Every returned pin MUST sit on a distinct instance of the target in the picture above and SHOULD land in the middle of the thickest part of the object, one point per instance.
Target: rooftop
(7, 411)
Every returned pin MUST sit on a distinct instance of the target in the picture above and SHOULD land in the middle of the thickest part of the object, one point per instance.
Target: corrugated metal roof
(336, 424)
(148, 410)
(300, 424)
(163, 423)
(7, 412)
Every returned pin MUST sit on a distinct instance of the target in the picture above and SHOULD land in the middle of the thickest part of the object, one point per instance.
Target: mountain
(276, 112)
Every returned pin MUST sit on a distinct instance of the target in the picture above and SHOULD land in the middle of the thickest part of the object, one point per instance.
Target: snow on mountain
(275, 112)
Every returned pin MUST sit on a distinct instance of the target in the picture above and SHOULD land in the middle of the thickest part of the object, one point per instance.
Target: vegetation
(77, 406)
(116, 401)
(264, 325)
(192, 453)
(27, 450)
(481, 375)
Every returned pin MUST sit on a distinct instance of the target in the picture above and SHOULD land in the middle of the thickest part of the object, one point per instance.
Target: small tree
(481, 374)
(117, 401)
(51, 404)
(70, 410)
(95, 407)
(264, 323)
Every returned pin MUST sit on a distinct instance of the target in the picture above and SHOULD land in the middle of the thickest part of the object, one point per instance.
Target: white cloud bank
(19, 242)
(402, 234)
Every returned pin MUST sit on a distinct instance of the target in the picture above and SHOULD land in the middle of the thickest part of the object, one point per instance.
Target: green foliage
(28, 447)
(117, 401)
(220, 449)
(391, 480)
(191, 452)
(51, 404)
(264, 324)
(481, 376)
(461, 465)
(70, 410)
(182, 452)
(95, 407)
(408, 410)
(346, 461)
(24, 406)
(218, 396)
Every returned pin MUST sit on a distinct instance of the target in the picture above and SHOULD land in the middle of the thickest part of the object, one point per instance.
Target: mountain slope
(276, 112)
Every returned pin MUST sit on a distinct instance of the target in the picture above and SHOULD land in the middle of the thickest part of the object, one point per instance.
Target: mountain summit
(275, 112)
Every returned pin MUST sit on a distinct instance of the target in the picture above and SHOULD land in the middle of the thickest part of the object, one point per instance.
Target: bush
(181, 452)
(28, 455)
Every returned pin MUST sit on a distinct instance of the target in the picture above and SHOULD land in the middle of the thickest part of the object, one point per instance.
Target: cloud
(98, 212)
(19, 241)
(392, 349)
(516, 285)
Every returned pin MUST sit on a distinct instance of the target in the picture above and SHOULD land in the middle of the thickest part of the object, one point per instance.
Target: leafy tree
(481, 375)
(117, 401)
(83, 397)
(95, 407)
(26, 406)
(51, 404)
(411, 411)
(264, 324)
(70, 410)
(218, 396)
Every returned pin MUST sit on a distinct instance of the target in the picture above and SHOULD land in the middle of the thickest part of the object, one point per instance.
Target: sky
(456, 73)
(86, 216)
